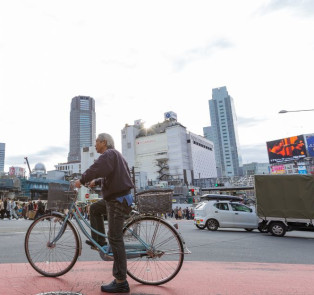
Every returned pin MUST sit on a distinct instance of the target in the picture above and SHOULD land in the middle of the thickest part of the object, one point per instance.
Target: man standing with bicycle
(116, 185)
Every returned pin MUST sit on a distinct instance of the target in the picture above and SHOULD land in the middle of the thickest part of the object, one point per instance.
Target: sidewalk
(195, 278)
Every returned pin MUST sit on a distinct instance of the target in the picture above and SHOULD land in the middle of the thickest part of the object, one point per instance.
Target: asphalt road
(225, 245)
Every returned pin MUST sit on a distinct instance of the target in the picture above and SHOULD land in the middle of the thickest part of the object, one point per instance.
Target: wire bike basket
(154, 201)
(58, 197)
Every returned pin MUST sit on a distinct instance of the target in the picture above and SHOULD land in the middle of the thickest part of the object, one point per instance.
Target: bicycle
(154, 248)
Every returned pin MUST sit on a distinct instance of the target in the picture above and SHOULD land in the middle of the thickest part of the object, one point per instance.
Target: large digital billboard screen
(286, 149)
(310, 144)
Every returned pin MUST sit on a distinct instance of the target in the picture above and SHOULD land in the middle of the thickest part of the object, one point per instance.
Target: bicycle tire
(163, 239)
(56, 260)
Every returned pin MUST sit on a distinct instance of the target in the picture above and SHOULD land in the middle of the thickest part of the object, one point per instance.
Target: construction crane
(29, 168)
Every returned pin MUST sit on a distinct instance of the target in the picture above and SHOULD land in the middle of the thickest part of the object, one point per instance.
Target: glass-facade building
(2, 156)
(82, 126)
(223, 133)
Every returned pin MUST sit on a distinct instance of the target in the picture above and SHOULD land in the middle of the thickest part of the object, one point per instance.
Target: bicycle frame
(154, 248)
(106, 250)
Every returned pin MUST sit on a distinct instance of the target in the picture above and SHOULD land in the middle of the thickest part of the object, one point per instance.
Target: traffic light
(192, 192)
(219, 184)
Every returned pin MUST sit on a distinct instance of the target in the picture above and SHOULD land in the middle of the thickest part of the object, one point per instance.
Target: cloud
(122, 59)
(254, 153)
(104, 100)
(196, 54)
(40, 156)
(250, 121)
(303, 7)
(129, 64)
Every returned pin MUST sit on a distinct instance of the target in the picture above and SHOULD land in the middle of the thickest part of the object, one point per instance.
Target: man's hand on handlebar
(91, 184)
(77, 183)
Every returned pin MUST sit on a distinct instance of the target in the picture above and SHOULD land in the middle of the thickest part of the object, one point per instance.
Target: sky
(140, 59)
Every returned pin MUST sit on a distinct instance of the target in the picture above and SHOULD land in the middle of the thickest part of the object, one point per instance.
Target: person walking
(24, 210)
(8, 208)
(14, 209)
(187, 213)
(192, 213)
(2, 209)
(5, 205)
(180, 213)
(176, 210)
(30, 210)
(116, 185)
(40, 209)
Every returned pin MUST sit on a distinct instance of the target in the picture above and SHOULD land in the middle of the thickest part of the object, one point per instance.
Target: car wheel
(212, 224)
(277, 229)
(200, 226)
(249, 229)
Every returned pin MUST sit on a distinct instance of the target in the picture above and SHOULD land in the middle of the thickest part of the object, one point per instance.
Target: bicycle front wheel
(159, 247)
(51, 260)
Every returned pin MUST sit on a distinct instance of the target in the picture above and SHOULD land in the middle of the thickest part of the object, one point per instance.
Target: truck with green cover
(285, 203)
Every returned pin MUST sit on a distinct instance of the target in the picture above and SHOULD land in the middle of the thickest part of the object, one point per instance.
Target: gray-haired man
(116, 185)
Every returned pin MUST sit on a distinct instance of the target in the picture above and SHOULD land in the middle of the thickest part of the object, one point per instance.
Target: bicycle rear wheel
(51, 260)
(164, 253)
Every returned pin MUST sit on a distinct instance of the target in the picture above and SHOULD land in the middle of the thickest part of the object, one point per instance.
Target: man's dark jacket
(113, 168)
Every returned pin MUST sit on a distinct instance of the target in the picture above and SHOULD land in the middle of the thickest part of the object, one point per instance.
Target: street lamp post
(284, 111)
(309, 160)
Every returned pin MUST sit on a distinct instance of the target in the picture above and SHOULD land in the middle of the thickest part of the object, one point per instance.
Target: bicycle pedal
(105, 257)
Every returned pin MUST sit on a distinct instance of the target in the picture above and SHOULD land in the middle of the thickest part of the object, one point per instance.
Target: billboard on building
(278, 169)
(16, 171)
(310, 144)
(286, 149)
(302, 168)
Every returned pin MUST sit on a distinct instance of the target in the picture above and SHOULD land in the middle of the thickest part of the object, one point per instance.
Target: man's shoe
(115, 287)
(88, 242)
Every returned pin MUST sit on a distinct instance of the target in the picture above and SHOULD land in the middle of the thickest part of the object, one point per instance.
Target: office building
(82, 126)
(256, 168)
(2, 156)
(223, 133)
(167, 152)
(69, 168)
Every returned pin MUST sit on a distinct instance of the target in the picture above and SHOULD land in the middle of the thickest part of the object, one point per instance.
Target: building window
(129, 145)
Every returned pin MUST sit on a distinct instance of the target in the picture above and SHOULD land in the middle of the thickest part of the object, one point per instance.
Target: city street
(229, 261)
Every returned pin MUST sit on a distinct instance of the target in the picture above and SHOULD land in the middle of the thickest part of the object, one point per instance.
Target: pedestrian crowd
(179, 213)
(13, 209)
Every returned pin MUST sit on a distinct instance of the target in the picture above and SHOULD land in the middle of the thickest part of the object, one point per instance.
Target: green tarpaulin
(285, 196)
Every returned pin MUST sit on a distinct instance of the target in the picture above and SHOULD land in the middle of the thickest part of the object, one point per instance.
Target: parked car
(225, 214)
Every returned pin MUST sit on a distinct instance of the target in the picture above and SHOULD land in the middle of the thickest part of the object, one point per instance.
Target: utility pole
(133, 179)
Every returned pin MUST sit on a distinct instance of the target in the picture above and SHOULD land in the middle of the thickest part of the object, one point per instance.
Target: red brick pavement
(195, 278)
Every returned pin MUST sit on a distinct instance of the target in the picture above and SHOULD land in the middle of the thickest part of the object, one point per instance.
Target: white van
(225, 214)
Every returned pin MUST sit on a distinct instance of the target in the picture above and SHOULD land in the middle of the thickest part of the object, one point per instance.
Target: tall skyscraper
(2, 156)
(223, 133)
(82, 126)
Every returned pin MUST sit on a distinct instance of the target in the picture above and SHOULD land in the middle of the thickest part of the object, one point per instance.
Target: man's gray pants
(116, 213)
